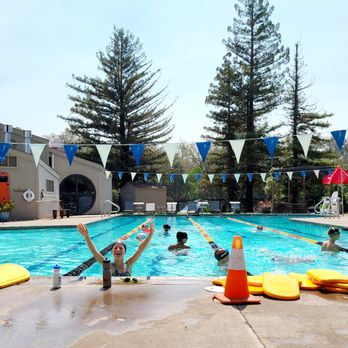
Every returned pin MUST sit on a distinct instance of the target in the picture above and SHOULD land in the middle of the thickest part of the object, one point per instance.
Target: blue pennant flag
(4, 148)
(70, 151)
(303, 173)
(330, 171)
(339, 136)
(277, 175)
(171, 177)
(223, 177)
(271, 144)
(146, 176)
(250, 176)
(203, 148)
(120, 174)
(137, 151)
(198, 177)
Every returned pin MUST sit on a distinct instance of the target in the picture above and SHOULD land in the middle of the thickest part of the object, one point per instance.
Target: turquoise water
(265, 251)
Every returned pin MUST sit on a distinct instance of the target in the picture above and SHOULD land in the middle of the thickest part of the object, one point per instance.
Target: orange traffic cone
(236, 288)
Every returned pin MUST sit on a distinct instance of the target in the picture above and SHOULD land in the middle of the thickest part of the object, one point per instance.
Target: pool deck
(341, 221)
(170, 312)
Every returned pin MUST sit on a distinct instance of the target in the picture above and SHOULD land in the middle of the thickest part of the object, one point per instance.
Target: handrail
(113, 204)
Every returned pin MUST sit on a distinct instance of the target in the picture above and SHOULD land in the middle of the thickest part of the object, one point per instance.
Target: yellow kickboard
(252, 281)
(255, 290)
(334, 285)
(11, 274)
(334, 289)
(327, 275)
(305, 282)
(281, 286)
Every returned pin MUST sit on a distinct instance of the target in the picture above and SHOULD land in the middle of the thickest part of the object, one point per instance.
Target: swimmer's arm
(134, 258)
(82, 228)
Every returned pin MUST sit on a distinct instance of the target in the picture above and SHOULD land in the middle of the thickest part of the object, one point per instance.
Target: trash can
(54, 213)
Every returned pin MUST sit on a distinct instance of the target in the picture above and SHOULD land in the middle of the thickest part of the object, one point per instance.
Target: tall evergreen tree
(124, 106)
(256, 48)
(302, 118)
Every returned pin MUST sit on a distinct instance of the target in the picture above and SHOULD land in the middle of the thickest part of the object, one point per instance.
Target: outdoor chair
(215, 206)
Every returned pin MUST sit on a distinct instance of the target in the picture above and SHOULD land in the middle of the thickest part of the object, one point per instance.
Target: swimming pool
(266, 251)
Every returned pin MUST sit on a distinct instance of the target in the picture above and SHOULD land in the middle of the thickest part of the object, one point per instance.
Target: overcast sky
(44, 42)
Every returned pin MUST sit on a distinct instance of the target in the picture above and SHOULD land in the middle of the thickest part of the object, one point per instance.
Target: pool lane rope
(287, 234)
(88, 263)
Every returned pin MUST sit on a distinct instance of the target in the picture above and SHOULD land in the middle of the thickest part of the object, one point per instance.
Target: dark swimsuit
(116, 273)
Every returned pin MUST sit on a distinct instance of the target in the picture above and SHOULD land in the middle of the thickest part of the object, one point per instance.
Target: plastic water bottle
(57, 277)
(106, 274)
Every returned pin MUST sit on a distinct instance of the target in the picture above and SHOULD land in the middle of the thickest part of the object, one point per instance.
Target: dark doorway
(77, 193)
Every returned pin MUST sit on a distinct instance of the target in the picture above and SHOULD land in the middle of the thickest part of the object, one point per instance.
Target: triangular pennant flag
(36, 150)
(198, 177)
(237, 147)
(4, 148)
(277, 175)
(263, 176)
(103, 150)
(120, 174)
(146, 176)
(303, 173)
(133, 174)
(223, 177)
(330, 171)
(137, 151)
(339, 137)
(305, 140)
(171, 177)
(237, 176)
(70, 151)
(170, 150)
(203, 148)
(271, 144)
(211, 177)
(159, 176)
(184, 177)
(250, 176)
(107, 173)
(316, 172)
(290, 175)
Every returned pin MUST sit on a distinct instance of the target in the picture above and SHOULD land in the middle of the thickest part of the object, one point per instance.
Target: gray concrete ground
(170, 312)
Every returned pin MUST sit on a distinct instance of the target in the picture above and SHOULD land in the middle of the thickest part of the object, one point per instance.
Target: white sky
(44, 42)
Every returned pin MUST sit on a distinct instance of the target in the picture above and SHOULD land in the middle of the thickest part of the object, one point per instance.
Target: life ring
(28, 195)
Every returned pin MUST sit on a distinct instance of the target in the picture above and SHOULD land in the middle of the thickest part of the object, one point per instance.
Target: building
(82, 187)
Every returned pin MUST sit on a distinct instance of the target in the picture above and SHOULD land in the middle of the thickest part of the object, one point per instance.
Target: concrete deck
(170, 312)
(341, 221)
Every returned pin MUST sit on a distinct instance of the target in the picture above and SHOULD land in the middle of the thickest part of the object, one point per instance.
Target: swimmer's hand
(152, 227)
(82, 228)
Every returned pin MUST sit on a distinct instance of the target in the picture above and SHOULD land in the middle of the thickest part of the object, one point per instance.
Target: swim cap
(120, 242)
(141, 236)
(220, 254)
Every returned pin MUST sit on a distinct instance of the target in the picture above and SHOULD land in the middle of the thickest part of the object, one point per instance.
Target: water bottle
(57, 277)
(106, 274)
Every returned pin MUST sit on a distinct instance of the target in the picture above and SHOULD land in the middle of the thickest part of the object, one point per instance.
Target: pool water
(265, 251)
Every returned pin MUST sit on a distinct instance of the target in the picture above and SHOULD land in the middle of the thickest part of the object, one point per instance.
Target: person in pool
(259, 228)
(166, 229)
(330, 244)
(182, 239)
(119, 267)
(222, 256)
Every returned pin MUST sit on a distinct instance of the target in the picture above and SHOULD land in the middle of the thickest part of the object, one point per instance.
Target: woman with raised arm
(119, 267)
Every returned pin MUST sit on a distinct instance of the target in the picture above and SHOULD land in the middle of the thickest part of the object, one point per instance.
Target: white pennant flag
(237, 147)
(159, 176)
(316, 172)
(133, 174)
(263, 176)
(107, 173)
(211, 177)
(289, 175)
(184, 177)
(305, 140)
(36, 150)
(104, 150)
(170, 150)
(236, 176)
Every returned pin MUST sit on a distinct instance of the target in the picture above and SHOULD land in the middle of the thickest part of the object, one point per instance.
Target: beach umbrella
(338, 177)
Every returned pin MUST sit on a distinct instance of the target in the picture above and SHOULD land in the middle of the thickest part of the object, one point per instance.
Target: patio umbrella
(338, 177)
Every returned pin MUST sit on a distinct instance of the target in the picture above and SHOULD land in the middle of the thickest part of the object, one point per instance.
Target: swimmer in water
(259, 228)
(181, 240)
(166, 229)
(330, 244)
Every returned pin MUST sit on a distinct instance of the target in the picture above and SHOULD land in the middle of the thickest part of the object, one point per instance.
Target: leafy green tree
(257, 52)
(123, 106)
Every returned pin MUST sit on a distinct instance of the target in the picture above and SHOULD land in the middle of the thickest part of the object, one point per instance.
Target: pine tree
(302, 118)
(256, 49)
(124, 106)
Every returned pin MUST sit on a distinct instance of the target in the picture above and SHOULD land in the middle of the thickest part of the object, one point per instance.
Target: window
(9, 161)
(49, 185)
